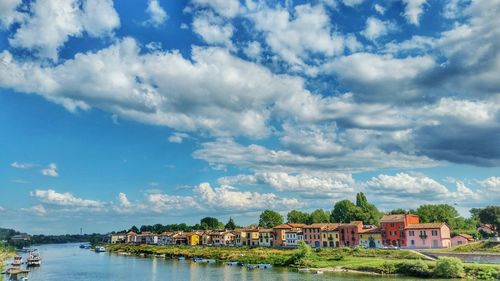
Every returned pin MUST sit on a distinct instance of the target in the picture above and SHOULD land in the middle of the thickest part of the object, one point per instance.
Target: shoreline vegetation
(346, 260)
(6, 252)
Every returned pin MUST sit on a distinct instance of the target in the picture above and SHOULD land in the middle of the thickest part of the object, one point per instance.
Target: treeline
(345, 211)
(67, 238)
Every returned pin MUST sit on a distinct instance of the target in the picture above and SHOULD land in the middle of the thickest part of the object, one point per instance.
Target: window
(412, 242)
(434, 233)
(411, 233)
(392, 225)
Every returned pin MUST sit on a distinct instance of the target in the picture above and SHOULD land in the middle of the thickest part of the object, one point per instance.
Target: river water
(70, 263)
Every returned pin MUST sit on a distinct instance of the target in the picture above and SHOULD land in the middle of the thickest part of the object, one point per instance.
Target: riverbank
(5, 253)
(368, 261)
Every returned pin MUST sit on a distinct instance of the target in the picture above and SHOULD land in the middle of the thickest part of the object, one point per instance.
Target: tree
(437, 213)
(295, 216)
(367, 212)
(270, 219)
(319, 216)
(344, 211)
(209, 223)
(230, 224)
(399, 211)
(490, 215)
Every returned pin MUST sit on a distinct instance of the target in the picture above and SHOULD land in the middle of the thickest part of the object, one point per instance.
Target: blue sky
(114, 113)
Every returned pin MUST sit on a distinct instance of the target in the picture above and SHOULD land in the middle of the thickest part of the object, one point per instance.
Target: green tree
(270, 219)
(490, 215)
(301, 254)
(295, 216)
(209, 223)
(367, 212)
(399, 211)
(319, 216)
(449, 268)
(344, 211)
(438, 213)
(230, 224)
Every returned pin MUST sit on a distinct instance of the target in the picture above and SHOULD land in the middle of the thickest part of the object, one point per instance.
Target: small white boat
(18, 260)
(319, 272)
(182, 258)
(100, 249)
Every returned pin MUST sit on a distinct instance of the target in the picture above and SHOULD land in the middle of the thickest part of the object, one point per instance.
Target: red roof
(432, 225)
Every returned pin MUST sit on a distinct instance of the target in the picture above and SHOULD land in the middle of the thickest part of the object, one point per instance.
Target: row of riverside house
(403, 231)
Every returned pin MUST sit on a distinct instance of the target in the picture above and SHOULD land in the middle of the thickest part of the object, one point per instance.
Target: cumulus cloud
(333, 185)
(124, 202)
(413, 10)
(19, 165)
(178, 137)
(226, 8)
(352, 3)
(297, 35)
(50, 196)
(52, 22)
(9, 13)
(213, 30)
(376, 28)
(157, 15)
(229, 198)
(492, 184)
(379, 9)
(38, 210)
(50, 171)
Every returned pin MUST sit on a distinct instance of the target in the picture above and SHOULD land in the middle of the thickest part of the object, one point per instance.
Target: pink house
(428, 235)
(461, 239)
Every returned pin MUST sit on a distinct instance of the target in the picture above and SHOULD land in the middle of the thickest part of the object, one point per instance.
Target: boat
(18, 260)
(259, 266)
(34, 259)
(88, 247)
(197, 259)
(181, 258)
(15, 274)
(100, 249)
(234, 263)
(82, 246)
(319, 272)
(26, 250)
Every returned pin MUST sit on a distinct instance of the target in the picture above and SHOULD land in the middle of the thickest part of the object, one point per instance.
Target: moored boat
(100, 249)
(18, 260)
(34, 259)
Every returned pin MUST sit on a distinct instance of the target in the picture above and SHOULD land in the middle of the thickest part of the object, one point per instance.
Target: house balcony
(423, 236)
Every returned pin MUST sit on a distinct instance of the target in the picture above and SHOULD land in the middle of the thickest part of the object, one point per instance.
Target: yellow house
(193, 239)
(330, 235)
(370, 238)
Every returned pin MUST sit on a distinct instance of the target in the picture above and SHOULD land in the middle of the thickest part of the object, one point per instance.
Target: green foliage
(319, 216)
(367, 212)
(482, 246)
(209, 223)
(344, 211)
(490, 215)
(388, 268)
(339, 256)
(447, 267)
(478, 272)
(295, 216)
(134, 229)
(301, 254)
(230, 224)
(6, 233)
(399, 211)
(416, 268)
(270, 219)
(67, 238)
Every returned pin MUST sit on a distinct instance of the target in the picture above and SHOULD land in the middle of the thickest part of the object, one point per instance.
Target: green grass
(482, 246)
(5, 253)
(368, 260)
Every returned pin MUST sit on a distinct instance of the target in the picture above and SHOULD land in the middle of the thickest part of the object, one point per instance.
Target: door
(435, 244)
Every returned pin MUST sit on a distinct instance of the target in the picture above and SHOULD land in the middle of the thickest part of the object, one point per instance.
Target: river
(70, 263)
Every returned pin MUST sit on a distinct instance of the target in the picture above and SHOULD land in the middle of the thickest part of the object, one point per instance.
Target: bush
(388, 268)
(482, 273)
(449, 268)
(338, 257)
(414, 268)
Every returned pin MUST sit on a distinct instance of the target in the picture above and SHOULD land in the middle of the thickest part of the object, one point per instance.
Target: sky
(120, 113)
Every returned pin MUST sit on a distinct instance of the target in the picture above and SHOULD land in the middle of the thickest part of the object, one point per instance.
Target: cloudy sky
(115, 113)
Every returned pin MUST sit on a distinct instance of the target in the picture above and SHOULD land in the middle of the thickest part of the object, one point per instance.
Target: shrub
(482, 273)
(449, 268)
(414, 268)
(338, 257)
(388, 268)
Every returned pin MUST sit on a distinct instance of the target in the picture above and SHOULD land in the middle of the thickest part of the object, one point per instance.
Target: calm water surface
(70, 263)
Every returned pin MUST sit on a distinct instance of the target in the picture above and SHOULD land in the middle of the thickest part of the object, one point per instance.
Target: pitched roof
(283, 226)
(265, 230)
(466, 236)
(425, 225)
(370, 230)
(296, 225)
(399, 217)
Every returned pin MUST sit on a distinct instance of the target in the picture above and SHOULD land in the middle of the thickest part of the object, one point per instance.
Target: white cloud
(376, 28)
(38, 210)
(50, 171)
(334, 185)
(157, 15)
(492, 184)
(352, 3)
(19, 165)
(226, 8)
(164, 202)
(177, 137)
(50, 196)
(124, 202)
(213, 29)
(227, 197)
(253, 50)
(2, 209)
(379, 8)
(298, 35)
(52, 22)
(413, 10)
(8, 13)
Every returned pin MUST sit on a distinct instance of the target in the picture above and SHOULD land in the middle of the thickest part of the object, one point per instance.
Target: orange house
(279, 232)
(392, 228)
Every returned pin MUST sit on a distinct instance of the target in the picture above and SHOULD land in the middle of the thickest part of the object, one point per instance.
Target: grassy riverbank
(5, 253)
(365, 260)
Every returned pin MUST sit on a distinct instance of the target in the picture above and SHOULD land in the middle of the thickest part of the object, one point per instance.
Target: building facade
(428, 235)
(392, 228)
